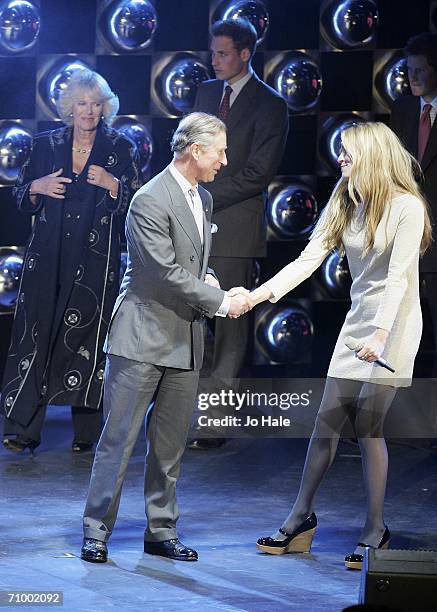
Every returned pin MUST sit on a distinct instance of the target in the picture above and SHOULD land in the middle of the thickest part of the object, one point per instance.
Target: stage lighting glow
(132, 25)
(19, 25)
(299, 82)
(15, 143)
(292, 211)
(254, 11)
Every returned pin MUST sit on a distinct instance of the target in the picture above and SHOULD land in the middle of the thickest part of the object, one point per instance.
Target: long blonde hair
(380, 166)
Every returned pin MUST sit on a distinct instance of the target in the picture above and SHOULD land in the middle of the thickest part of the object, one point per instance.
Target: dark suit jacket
(257, 130)
(405, 123)
(158, 315)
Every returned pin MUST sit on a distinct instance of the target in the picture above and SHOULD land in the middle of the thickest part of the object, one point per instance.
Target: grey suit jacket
(159, 314)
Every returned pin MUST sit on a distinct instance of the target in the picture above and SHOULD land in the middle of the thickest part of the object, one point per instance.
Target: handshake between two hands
(242, 300)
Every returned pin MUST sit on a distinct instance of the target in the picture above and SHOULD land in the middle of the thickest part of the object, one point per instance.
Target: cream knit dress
(384, 291)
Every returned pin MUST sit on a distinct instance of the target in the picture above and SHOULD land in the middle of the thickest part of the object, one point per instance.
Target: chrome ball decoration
(292, 211)
(299, 82)
(336, 276)
(19, 25)
(285, 333)
(140, 136)
(351, 23)
(331, 137)
(131, 25)
(58, 80)
(252, 10)
(15, 144)
(394, 83)
(11, 265)
(180, 82)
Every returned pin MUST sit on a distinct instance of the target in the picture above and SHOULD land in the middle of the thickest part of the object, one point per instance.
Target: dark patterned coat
(70, 276)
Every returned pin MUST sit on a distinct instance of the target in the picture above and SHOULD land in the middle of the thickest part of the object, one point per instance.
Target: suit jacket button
(192, 257)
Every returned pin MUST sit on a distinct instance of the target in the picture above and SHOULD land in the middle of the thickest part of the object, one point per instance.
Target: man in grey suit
(155, 341)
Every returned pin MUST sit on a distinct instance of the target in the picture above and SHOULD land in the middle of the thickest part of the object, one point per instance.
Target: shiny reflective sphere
(138, 134)
(395, 82)
(285, 333)
(58, 81)
(15, 142)
(299, 82)
(19, 25)
(180, 82)
(332, 137)
(252, 10)
(336, 276)
(11, 265)
(354, 22)
(132, 24)
(292, 212)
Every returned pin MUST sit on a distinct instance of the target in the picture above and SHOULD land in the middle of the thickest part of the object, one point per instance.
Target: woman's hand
(100, 178)
(52, 185)
(373, 346)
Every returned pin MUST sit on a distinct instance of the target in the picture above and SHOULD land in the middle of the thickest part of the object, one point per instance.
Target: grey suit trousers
(130, 386)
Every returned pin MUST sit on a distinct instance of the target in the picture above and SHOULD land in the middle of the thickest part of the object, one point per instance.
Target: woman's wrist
(113, 191)
(33, 189)
(261, 294)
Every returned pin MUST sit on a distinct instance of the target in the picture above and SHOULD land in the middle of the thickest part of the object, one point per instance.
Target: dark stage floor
(228, 499)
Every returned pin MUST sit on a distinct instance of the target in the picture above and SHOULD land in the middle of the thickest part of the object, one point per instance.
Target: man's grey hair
(196, 128)
(87, 81)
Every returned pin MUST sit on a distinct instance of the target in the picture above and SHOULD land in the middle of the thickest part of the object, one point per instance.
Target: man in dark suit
(155, 340)
(256, 118)
(413, 120)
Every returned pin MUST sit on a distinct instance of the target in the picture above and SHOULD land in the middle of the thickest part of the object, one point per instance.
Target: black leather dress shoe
(173, 549)
(206, 443)
(94, 551)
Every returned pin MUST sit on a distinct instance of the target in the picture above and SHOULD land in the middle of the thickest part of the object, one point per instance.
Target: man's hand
(238, 291)
(211, 281)
(240, 304)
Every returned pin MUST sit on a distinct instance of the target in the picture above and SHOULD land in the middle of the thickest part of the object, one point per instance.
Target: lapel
(206, 228)
(410, 125)
(213, 99)
(182, 211)
(241, 107)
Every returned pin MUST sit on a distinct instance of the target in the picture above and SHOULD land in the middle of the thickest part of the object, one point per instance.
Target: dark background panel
(15, 226)
(68, 27)
(182, 25)
(401, 19)
(293, 24)
(129, 77)
(162, 129)
(347, 81)
(300, 149)
(17, 87)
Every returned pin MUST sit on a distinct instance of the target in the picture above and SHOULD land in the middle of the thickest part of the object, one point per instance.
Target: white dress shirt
(237, 86)
(194, 202)
(433, 111)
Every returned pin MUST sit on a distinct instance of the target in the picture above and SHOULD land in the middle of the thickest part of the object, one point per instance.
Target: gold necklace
(79, 150)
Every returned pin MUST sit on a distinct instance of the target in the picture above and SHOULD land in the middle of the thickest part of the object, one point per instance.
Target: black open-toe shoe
(81, 447)
(355, 560)
(297, 542)
(18, 444)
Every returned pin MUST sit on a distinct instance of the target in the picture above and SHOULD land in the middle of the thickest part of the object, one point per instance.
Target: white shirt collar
(433, 103)
(183, 183)
(238, 85)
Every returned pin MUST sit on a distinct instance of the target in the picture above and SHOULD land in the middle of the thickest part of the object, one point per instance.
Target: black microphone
(354, 345)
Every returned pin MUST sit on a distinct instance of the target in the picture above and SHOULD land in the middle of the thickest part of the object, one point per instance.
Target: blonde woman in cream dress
(377, 216)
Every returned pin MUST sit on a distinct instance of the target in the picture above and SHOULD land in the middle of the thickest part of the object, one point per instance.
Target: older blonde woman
(376, 215)
(77, 184)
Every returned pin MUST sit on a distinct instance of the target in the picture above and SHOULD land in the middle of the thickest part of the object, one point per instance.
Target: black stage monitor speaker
(404, 580)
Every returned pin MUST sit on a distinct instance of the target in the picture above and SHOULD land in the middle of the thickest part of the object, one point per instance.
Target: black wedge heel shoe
(355, 560)
(297, 542)
(19, 444)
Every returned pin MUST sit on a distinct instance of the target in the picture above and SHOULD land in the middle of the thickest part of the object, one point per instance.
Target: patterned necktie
(424, 131)
(197, 211)
(225, 104)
